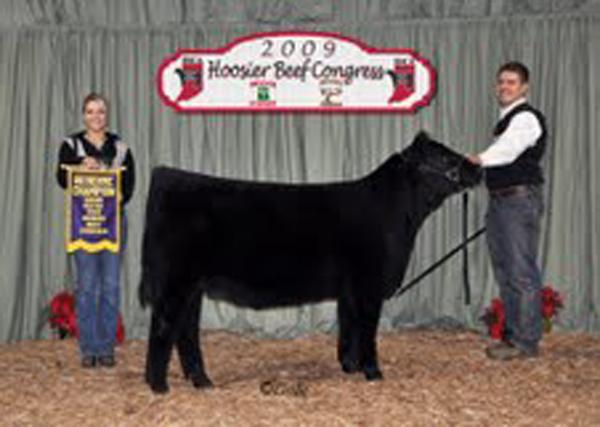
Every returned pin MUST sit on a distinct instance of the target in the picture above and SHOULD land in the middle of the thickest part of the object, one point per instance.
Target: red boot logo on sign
(191, 79)
(403, 80)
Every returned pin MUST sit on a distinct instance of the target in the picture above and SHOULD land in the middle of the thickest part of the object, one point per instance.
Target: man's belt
(513, 190)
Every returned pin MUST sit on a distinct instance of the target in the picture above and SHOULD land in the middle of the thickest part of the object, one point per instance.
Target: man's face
(509, 88)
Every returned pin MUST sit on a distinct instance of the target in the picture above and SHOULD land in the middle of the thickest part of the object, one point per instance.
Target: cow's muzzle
(470, 174)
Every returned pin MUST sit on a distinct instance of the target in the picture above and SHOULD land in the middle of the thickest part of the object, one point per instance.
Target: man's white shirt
(522, 132)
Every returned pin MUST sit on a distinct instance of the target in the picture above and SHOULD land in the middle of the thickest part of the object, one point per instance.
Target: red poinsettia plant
(494, 316)
(63, 319)
(62, 315)
(552, 302)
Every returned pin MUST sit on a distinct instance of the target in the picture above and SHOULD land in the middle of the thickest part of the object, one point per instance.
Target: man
(514, 180)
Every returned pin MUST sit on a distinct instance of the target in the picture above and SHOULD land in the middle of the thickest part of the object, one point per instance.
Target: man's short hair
(515, 67)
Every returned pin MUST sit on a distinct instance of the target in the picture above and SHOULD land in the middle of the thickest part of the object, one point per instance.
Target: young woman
(98, 290)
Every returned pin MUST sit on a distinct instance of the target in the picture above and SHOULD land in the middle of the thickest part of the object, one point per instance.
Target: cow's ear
(417, 148)
(421, 138)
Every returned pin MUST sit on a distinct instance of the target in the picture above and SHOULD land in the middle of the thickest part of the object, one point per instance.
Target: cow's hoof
(350, 367)
(201, 381)
(160, 388)
(156, 385)
(374, 375)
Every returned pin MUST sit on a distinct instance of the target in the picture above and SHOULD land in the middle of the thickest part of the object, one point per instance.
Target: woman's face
(94, 116)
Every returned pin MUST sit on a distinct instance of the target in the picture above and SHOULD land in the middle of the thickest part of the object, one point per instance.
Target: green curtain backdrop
(52, 53)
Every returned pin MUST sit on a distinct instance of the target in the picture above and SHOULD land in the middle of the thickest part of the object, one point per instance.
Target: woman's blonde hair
(93, 96)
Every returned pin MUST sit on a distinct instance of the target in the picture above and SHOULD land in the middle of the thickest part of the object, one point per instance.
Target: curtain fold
(51, 58)
(145, 13)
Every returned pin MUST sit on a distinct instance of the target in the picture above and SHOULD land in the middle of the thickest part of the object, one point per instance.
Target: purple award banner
(93, 214)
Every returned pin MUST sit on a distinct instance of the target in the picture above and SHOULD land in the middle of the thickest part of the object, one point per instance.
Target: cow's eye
(442, 162)
(453, 175)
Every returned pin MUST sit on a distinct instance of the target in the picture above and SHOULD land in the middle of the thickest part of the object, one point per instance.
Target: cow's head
(438, 170)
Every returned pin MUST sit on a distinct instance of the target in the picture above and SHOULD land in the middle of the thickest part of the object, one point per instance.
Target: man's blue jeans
(98, 300)
(513, 232)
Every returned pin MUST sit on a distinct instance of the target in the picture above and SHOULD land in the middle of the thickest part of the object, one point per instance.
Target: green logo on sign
(262, 93)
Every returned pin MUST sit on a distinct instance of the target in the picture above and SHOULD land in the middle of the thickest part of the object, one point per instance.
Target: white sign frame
(296, 71)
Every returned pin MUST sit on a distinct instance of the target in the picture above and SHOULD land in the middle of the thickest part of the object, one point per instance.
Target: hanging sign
(93, 210)
(296, 72)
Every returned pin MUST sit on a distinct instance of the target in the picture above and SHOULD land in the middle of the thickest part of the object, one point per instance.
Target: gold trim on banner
(93, 247)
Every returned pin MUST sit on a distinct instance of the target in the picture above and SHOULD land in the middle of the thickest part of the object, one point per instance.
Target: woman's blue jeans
(98, 299)
(513, 232)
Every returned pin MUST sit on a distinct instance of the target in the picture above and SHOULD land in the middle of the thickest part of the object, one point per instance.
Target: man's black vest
(526, 168)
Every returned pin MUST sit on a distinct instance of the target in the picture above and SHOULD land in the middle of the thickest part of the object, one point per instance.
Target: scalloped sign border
(296, 71)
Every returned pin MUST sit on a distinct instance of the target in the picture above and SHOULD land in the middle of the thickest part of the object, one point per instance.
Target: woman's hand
(90, 163)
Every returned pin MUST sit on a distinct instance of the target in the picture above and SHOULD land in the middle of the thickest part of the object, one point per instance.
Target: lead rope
(462, 247)
(465, 229)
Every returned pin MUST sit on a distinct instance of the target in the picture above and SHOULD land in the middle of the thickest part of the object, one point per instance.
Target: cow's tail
(147, 290)
(151, 282)
(145, 294)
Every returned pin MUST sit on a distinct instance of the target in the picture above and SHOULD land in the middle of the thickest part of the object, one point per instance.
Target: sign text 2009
(289, 47)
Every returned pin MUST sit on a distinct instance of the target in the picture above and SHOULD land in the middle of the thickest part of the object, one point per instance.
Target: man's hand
(474, 158)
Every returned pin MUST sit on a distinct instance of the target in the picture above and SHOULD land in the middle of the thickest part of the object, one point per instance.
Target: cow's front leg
(348, 337)
(188, 345)
(369, 320)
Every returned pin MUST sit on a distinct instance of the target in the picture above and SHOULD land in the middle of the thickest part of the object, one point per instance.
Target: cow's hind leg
(348, 337)
(188, 345)
(159, 353)
(164, 329)
(370, 310)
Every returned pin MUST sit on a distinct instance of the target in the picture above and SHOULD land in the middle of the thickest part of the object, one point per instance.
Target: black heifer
(265, 245)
